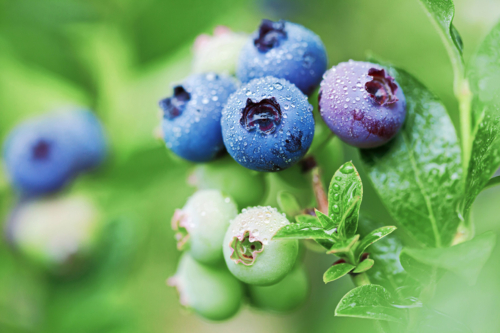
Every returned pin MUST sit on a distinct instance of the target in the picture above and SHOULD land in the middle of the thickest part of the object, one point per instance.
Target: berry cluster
(264, 120)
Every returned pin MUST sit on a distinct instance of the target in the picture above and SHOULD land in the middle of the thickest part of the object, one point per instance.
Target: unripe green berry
(245, 186)
(200, 225)
(250, 252)
(211, 292)
(56, 231)
(284, 296)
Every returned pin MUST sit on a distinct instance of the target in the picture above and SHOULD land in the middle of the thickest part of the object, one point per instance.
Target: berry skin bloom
(283, 50)
(211, 292)
(250, 252)
(201, 224)
(39, 156)
(191, 116)
(362, 104)
(267, 125)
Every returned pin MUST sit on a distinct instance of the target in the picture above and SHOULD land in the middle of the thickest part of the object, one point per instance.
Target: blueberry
(246, 187)
(89, 135)
(284, 296)
(211, 292)
(362, 104)
(267, 124)
(284, 50)
(191, 116)
(201, 224)
(39, 156)
(250, 252)
(56, 232)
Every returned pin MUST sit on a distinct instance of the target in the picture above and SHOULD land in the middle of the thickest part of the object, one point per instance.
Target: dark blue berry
(267, 125)
(284, 50)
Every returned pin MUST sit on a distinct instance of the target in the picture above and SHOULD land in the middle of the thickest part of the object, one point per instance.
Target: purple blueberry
(267, 124)
(284, 50)
(362, 104)
(191, 116)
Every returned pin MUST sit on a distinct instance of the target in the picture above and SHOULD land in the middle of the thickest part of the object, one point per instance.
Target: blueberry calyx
(382, 87)
(244, 249)
(41, 150)
(181, 225)
(264, 116)
(270, 34)
(173, 106)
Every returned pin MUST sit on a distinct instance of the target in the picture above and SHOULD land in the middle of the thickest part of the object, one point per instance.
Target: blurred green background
(119, 57)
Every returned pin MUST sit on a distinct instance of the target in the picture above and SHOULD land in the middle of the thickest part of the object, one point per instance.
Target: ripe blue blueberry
(267, 124)
(211, 292)
(202, 223)
(284, 50)
(191, 116)
(362, 104)
(89, 135)
(39, 156)
(250, 252)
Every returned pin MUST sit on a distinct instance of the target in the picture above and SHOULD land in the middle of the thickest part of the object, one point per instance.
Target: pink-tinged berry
(362, 104)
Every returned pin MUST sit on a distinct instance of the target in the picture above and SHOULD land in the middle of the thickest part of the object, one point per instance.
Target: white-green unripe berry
(201, 224)
(56, 230)
(211, 292)
(284, 296)
(250, 252)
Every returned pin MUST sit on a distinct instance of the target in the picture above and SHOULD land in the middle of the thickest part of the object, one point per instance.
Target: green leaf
(364, 266)
(288, 204)
(432, 321)
(337, 271)
(387, 270)
(343, 246)
(465, 259)
(344, 199)
(422, 273)
(371, 238)
(308, 219)
(371, 302)
(302, 231)
(418, 174)
(484, 79)
(326, 222)
(442, 13)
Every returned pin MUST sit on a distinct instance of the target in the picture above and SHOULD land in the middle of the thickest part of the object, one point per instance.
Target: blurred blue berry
(284, 50)
(267, 124)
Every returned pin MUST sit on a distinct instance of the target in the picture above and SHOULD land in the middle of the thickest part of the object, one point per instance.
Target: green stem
(464, 97)
(360, 279)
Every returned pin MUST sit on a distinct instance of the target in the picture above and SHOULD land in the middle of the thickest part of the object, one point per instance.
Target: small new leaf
(343, 246)
(344, 199)
(302, 231)
(326, 222)
(337, 271)
(371, 238)
(288, 204)
(371, 302)
(309, 220)
(364, 266)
